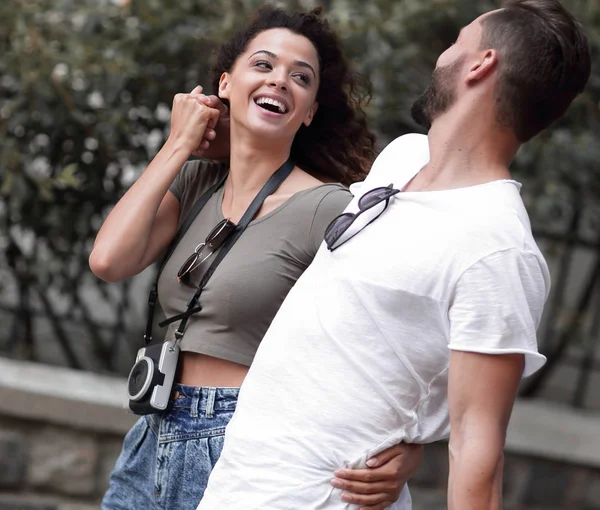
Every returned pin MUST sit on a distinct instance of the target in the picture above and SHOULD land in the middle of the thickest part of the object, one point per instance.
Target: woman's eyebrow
(266, 52)
(299, 63)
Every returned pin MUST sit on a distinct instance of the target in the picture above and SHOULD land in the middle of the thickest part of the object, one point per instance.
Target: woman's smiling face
(273, 85)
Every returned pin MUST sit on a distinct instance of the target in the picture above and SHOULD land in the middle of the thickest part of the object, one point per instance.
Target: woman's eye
(263, 64)
(304, 78)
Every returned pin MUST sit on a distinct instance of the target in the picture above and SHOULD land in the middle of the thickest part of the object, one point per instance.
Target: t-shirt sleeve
(497, 306)
(331, 205)
(194, 178)
(402, 158)
(200, 169)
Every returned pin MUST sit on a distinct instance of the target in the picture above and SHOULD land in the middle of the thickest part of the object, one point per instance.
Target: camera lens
(139, 378)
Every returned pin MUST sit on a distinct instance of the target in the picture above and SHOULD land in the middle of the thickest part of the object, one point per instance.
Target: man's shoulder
(397, 162)
(406, 151)
(409, 142)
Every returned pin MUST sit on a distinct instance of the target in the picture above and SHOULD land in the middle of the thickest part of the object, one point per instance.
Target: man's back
(357, 358)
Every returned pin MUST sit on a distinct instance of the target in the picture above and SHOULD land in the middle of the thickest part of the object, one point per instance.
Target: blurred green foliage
(86, 88)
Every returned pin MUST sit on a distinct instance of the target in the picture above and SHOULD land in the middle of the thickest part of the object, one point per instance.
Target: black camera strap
(187, 222)
(270, 186)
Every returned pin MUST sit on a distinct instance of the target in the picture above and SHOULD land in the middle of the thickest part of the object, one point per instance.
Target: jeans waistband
(203, 399)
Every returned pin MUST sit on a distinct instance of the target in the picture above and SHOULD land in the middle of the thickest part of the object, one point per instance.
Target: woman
(291, 96)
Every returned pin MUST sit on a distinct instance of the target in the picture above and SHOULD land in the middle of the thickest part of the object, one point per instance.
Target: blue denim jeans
(166, 459)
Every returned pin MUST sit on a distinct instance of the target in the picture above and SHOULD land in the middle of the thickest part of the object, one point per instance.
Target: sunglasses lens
(337, 228)
(218, 234)
(187, 266)
(216, 231)
(375, 196)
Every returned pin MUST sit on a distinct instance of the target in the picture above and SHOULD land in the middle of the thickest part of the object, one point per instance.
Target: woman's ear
(311, 114)
(224, 85)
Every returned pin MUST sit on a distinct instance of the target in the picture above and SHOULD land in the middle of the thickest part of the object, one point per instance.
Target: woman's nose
(278, 81)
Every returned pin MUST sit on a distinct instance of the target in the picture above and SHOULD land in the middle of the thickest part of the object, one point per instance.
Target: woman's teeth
(271, 104)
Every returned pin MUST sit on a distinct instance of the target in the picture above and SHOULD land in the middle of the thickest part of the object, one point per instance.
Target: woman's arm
(378, 486)
(144, 221)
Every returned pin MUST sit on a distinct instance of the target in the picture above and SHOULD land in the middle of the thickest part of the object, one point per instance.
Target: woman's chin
(277, 132)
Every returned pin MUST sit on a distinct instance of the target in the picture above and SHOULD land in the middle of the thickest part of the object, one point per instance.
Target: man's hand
(379, 486)
(216, 143)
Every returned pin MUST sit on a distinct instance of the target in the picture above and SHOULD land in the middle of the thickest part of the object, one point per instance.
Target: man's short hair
(544, 62)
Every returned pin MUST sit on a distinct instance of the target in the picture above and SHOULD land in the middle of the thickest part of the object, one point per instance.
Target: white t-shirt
(356, 360)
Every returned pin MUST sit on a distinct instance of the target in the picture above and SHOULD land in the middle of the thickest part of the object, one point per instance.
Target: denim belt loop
(195, 407)
(210, 402)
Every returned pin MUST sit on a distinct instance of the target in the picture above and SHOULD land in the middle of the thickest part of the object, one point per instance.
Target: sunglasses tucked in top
(203, 251)
(334, 234)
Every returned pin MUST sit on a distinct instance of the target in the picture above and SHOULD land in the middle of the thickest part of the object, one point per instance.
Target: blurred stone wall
(61, 432)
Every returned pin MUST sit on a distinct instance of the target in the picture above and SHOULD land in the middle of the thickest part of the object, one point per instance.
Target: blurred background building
(85, 94)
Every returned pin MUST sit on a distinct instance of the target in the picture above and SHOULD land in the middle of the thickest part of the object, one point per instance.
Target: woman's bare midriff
(202, 370)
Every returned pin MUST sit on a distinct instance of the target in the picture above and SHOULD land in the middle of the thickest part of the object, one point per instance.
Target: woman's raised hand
(193, 122)
(215, 144)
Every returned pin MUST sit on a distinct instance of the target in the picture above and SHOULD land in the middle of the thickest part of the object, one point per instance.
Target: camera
(151, 378)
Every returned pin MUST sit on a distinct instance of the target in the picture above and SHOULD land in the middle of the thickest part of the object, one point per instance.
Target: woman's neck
(251, 165)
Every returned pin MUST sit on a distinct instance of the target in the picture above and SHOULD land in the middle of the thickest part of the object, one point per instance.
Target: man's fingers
(213, 118)
(385, 456)
(201, 149)
(210, 134)
(215, 102)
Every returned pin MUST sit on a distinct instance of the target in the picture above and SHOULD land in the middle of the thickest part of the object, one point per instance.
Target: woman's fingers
(367, 500)
(381, 506)
(192, 121)
(385, 456)
(372, 486)
(369, 475)
(362, 487)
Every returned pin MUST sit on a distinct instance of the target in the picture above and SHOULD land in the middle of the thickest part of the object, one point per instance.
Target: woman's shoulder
(194, 179)
(324, 196)
(318, 206)
(201, 174)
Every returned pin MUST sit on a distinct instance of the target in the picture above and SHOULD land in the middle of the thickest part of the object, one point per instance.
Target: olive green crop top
(247, 288)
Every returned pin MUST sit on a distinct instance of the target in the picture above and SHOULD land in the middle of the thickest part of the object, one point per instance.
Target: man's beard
(439, 95)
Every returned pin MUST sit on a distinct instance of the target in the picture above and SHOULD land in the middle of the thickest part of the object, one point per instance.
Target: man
(421, 312)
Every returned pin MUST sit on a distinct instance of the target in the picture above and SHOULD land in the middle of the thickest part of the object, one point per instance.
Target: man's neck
(466, 150)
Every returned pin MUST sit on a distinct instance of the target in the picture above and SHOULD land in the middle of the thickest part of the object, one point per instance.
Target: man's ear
(224, 85)
(483, 66)
(311, 114)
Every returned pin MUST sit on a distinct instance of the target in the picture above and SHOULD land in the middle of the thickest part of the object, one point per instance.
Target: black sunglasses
(204, 250)
(339, 225)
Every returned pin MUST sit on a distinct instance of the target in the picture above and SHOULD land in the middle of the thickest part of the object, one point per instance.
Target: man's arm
(481, 391)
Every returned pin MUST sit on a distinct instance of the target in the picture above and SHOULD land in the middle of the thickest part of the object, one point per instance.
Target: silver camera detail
(151, 378)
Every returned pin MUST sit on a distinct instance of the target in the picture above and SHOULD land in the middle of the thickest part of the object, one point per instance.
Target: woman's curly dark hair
(337, 144)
